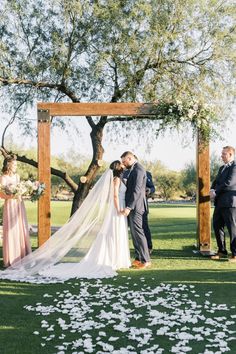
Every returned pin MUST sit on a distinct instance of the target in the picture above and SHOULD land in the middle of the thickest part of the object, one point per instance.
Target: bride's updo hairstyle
(117, 168)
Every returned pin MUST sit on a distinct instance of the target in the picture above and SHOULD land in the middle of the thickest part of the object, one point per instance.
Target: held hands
(125, 212)
(212, 194)
(6, 196)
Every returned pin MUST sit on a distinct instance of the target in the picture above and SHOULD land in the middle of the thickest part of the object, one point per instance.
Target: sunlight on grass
(6, 327)
(12, 293)
(201, 282)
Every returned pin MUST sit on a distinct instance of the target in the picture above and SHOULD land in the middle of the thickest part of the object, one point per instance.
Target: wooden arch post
(44, 175)
(47, 110)
(203, 197)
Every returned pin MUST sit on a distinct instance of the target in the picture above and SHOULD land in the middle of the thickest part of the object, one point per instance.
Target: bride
(92, 244)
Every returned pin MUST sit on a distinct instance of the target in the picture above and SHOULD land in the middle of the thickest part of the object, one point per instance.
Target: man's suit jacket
(135, 197)
(149, 183)
(225, 187)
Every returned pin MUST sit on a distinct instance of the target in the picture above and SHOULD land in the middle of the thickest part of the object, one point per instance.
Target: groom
(136, 206)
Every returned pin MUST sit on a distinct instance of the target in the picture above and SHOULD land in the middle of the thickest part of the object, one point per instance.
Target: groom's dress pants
(225, 217)
(147, 231)
(138, 236)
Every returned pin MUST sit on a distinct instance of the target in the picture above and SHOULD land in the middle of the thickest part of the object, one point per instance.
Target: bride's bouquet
(33, 189)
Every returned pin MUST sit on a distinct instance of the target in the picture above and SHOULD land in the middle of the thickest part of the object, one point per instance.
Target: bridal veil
(73, 240)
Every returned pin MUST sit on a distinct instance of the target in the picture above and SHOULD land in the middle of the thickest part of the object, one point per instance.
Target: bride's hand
(125, 212)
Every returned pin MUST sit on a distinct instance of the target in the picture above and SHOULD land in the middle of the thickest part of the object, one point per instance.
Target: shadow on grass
(167, 206)
(221, 278)
(186, 252)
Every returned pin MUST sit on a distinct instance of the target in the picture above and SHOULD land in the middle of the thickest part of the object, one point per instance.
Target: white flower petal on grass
(121, 328)
(113, 339)
(162, 331)
(103, 334)
(228, 323)
(51, 328)
(170, 311)
(60, 347)
(106, 347)
(185, 336)
(36, 332)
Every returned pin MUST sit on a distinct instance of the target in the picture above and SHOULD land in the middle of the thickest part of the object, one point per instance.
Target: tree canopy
(114, 51)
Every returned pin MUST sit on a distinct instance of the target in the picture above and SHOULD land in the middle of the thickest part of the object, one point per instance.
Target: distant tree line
(178, 185)
(169, 184)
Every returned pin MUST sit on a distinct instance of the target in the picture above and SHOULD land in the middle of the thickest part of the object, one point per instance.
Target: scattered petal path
(93, 317)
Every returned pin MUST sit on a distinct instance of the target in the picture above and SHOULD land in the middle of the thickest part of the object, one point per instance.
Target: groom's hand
(126, 211)
(212, 194)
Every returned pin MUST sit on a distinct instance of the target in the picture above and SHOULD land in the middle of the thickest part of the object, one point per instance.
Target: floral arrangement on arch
(33, 189)
(175, 114)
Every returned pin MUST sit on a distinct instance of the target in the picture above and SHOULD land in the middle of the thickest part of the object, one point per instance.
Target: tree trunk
(83, 188)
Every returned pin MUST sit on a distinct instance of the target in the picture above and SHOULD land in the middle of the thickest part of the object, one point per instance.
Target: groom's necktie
(225, 166)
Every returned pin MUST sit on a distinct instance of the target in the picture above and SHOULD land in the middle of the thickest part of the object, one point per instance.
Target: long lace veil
(73, 240)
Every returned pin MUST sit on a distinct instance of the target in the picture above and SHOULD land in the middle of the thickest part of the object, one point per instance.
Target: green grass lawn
(60, 212)
(183, 303)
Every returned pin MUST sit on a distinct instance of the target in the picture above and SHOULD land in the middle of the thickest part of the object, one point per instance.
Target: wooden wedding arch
(48, 110)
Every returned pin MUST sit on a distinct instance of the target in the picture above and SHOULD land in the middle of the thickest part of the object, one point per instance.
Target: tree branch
(117, 92)
(54, 171)
(90, 121)
(12, 119)
(40, 84)
(128, 119)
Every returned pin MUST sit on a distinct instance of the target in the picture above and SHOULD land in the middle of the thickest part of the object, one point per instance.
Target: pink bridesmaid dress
(16, 241)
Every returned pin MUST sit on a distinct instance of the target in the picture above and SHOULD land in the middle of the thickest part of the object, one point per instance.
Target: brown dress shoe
(135, 263)
(219, 255)
(143, 265)
(232, 259)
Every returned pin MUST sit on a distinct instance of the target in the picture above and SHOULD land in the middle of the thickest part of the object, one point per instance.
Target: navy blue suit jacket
(135, 196)
(149, 183)
(225, 187)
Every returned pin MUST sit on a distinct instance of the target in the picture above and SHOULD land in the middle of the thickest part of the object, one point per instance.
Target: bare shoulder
(2, 178)
(116, 181)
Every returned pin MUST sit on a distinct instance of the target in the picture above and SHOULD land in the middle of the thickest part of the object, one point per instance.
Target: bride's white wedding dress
(92, 244)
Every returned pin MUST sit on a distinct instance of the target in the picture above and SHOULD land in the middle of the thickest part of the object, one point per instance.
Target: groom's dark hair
(126, 153)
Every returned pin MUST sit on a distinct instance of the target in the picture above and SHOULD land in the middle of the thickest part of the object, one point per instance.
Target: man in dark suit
(223, 191)
(150, 189)
(136, 205)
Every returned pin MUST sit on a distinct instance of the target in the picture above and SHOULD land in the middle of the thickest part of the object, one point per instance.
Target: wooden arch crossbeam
(47, 110)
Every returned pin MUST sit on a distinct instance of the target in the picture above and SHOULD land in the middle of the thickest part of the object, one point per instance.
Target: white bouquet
(15, 190)
(33, 189)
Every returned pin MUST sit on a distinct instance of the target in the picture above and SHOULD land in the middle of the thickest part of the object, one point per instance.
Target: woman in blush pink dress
(16, 242)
